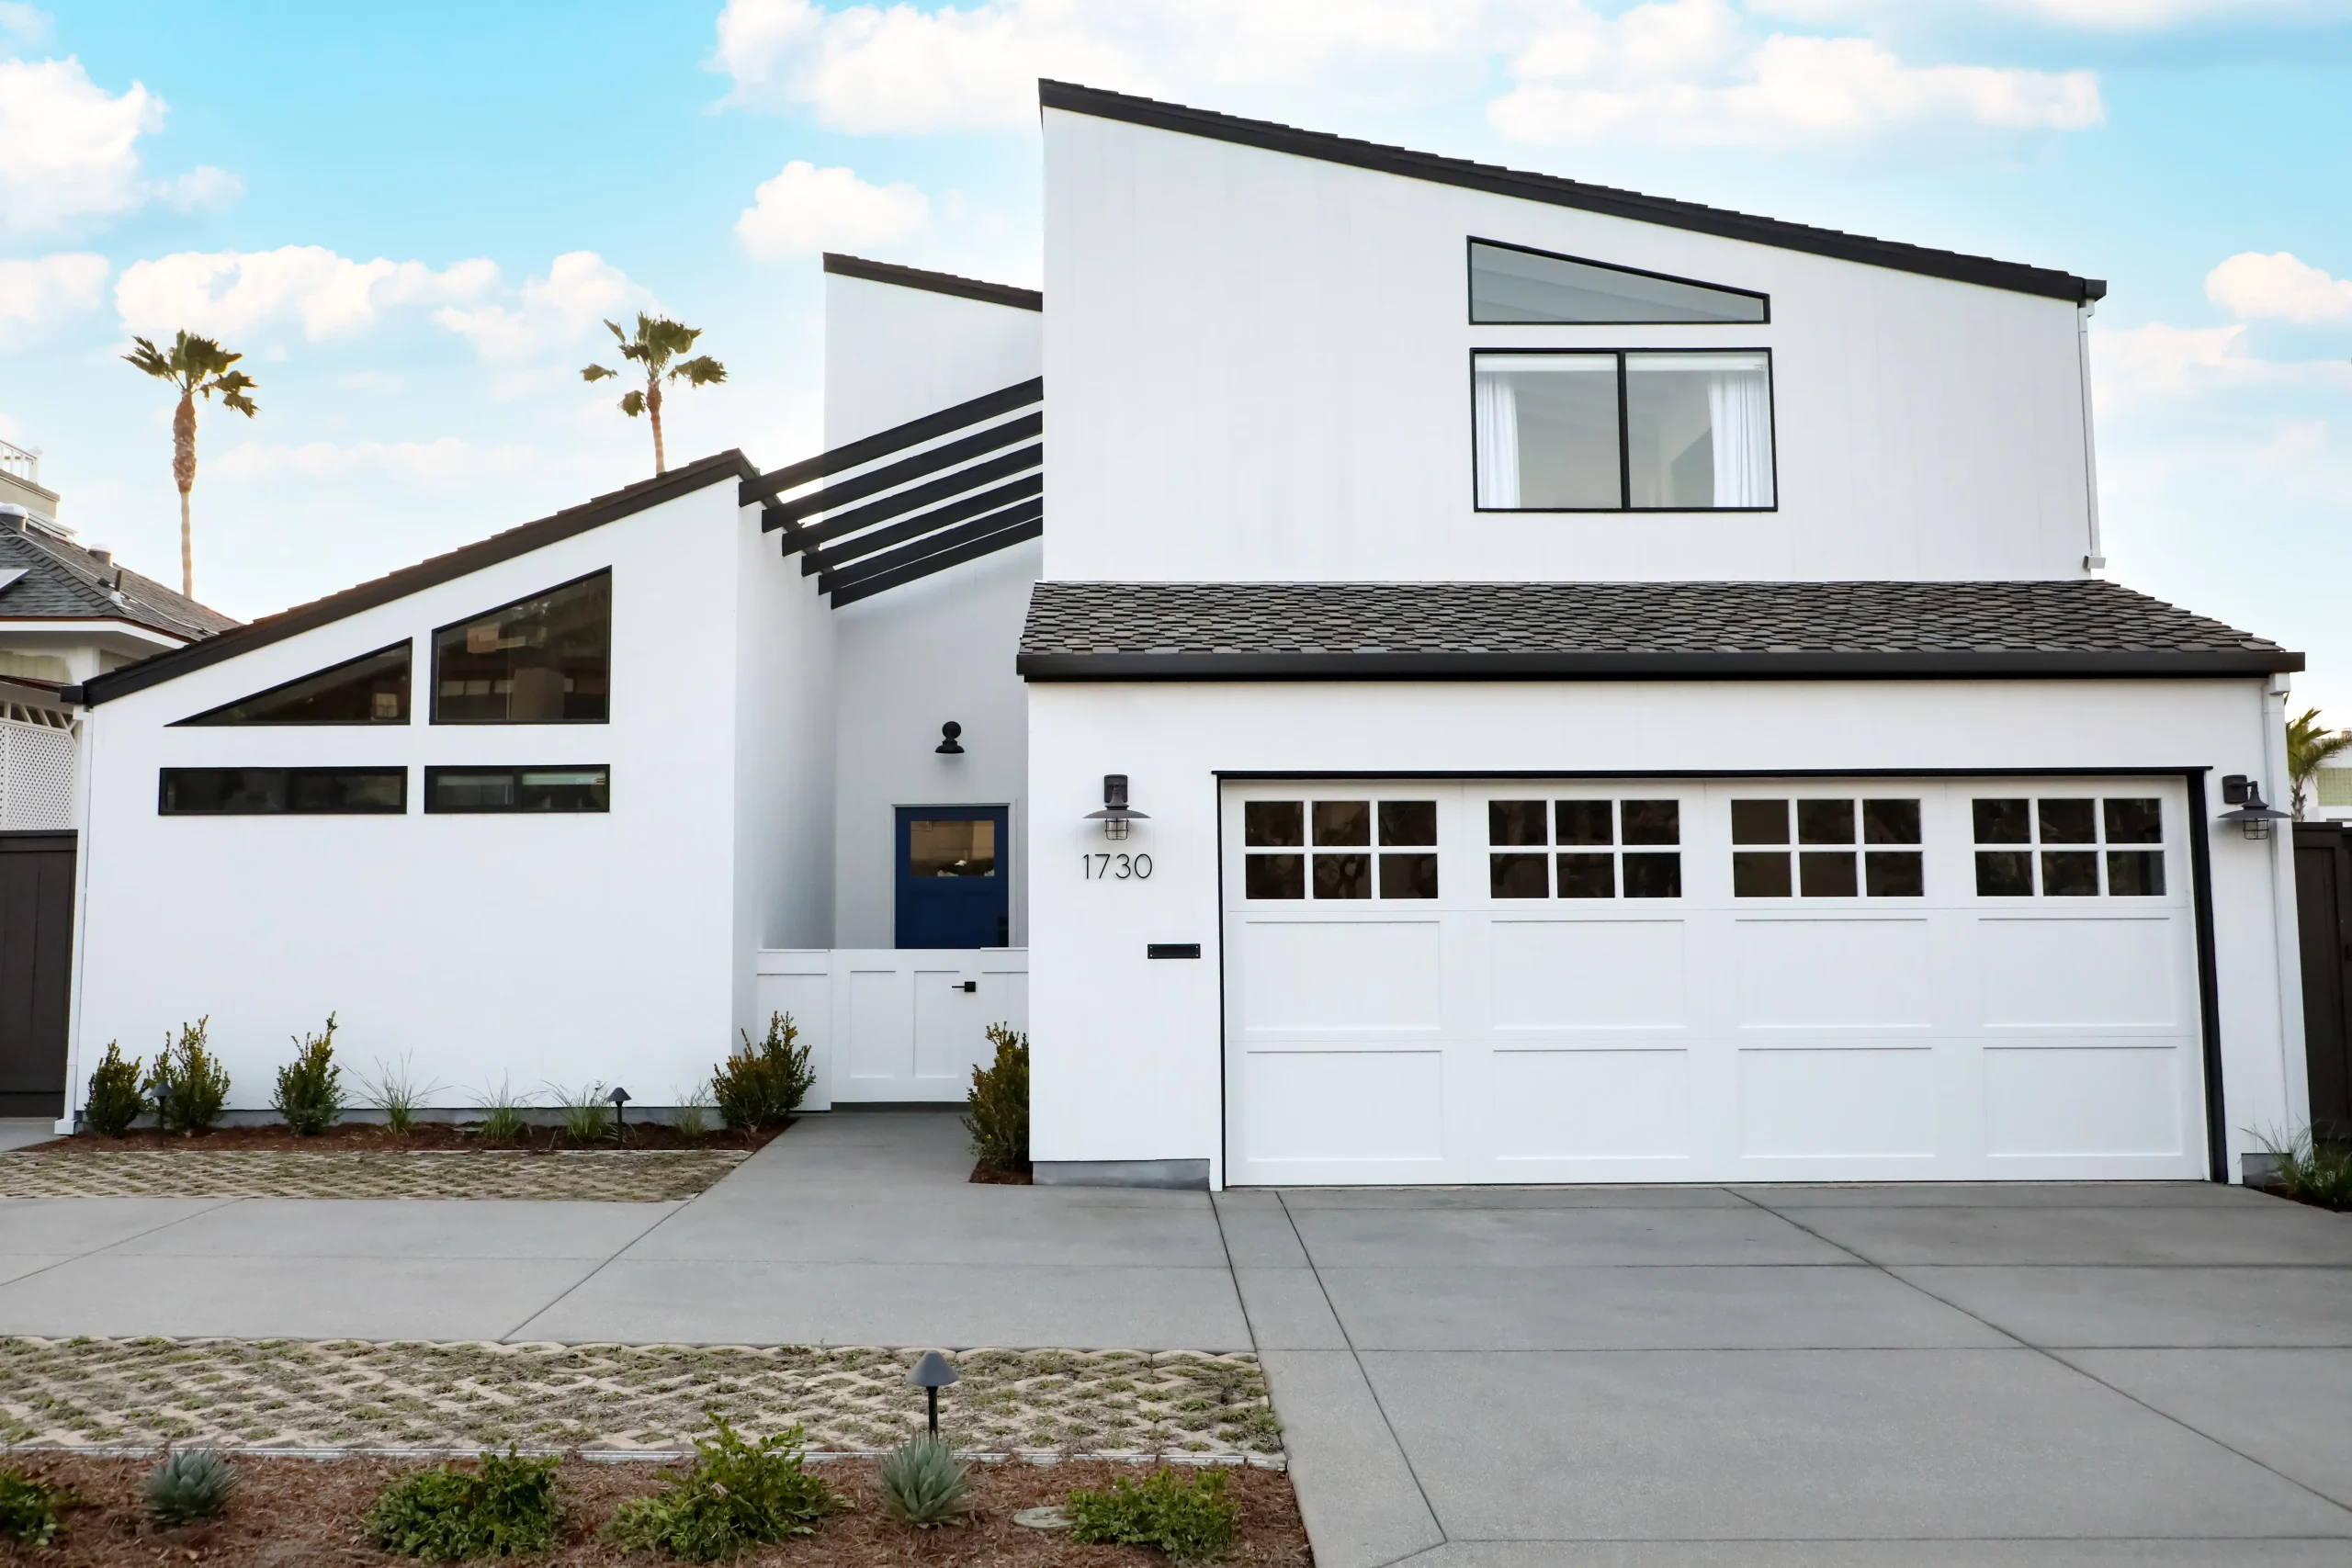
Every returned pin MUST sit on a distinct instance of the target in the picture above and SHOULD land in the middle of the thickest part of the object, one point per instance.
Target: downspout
(85, 769)
(2295, 1090)
(2094, 560)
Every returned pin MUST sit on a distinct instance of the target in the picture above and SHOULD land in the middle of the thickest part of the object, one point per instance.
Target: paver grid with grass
(85, 1394)
(586, 1175)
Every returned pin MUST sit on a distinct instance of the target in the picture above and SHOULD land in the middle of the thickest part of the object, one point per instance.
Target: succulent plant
(189, 1484)
(924, 1483)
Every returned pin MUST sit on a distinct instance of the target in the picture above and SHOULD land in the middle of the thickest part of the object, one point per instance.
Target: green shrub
(503, 1506)
(762, 1085)
(186, 1082)
(737, 1494)
(309, 1087)
(396, 1092)
(502, 1112)
(1187, 1518)
(29, 1509)
(996, 1111)
(924, 1484)
(2310, 1170)
(189, 1484)
(116, 1100)
(587, 1115)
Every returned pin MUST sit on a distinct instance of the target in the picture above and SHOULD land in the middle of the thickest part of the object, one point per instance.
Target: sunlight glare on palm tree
(658, 340)
(2309, 747)
(195, 365)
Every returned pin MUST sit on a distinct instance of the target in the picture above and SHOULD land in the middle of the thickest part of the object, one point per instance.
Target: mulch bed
(1003, 1175)
(289, 1513)
(431, 1137)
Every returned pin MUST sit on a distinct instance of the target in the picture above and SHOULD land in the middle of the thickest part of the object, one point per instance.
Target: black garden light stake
(933, 1372)
(619, 1096)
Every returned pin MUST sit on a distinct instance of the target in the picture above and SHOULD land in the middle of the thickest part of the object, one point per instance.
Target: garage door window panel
(1585, 836)
(2077, 851)
(1340, 864)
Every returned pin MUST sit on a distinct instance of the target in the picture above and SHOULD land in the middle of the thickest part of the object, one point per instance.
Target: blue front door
(952, 877)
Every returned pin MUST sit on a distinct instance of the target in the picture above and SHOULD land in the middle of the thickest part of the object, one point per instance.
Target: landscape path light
(619, 1096)
(931, 1374)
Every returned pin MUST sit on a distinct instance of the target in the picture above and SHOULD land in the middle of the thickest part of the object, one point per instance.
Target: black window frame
(1470, 285)
(1624, 434)
(434, 772)
(432, 646)
(163, 781)
(209, 718)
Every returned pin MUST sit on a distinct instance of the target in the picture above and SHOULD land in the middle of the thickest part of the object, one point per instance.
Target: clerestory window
(1511, 285)
(545, 659)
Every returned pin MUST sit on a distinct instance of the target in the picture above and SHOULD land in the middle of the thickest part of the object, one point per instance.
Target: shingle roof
(425, 574)
(64, 581)
(1603, 630)
(1557, 191)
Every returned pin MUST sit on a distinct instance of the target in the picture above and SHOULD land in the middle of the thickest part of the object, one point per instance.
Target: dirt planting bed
(290, 1512)
(424, 1137)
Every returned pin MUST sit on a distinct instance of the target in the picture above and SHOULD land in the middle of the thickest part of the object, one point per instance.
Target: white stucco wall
(893, 354)
(1127, 1051)
(542, 949)
(1261, 366)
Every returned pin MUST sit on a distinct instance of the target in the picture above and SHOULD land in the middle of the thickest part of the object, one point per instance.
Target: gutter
(1635, 665)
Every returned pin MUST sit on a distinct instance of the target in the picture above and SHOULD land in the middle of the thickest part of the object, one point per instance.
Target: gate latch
(963, 985)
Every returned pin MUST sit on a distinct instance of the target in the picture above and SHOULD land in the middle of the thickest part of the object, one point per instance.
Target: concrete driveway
(1972, 1377)
(1823, 1375)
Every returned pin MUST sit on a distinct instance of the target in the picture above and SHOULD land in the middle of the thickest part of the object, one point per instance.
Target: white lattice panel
(36, 776)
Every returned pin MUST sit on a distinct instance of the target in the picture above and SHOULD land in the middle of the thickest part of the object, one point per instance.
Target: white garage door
(1667, 981)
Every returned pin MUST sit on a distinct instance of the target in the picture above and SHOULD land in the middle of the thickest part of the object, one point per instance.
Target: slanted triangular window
(1512, 283)
(371, 689)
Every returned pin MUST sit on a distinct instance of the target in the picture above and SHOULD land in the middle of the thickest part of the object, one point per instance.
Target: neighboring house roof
(1115, 631)
(426, 574)
(935, 282)
(63, 582)
(1558, 192)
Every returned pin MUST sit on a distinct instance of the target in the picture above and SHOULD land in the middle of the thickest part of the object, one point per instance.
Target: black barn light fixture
(2253, 816)
(1116, 816)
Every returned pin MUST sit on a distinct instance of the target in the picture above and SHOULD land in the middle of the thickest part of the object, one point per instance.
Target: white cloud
(69, 149)
(2157, 360)
(229, 293)
(23, 26)
(1685, 72)
(1688, 71)
(202, 189)
(35, 291)
(443, 463)
(2277, 288)
(806, 209)
(580, 289)
(2148, 15)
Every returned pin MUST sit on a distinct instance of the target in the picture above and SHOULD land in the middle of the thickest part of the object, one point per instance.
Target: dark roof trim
(935, 282)
(1557, 192)
(639, 497)
(882, 443)
(1954, 665)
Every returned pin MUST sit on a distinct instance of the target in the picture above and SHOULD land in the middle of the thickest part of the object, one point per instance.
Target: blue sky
(412, 219)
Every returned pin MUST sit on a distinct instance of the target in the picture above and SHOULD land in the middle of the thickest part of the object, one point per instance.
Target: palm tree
(658, 340)
(2310, 746)
(195, 365)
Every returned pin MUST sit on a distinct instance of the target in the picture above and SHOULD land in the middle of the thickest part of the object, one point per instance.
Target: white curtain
(1496, 406)
(1740, 405)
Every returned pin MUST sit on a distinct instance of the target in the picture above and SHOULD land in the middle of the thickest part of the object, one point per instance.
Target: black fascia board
(639, 497)
(1554, 190)
(933, 282)
(882, 583)
(1823, 665)
(882, 443)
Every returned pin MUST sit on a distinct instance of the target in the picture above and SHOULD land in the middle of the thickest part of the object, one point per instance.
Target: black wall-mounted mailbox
(1173, 950)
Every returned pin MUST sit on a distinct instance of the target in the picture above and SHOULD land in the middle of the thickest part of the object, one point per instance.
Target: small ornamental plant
(1188, 1518)
(997, 1109)
(924, 1485)
(115, 1099)
(737, 1495)
(309, 1089)
(30, 1509)
(188, 1486)
(762, 1085)
(188, 1084)
(503, 1506)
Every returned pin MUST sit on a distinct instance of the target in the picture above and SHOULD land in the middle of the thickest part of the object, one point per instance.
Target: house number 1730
(1115, 868)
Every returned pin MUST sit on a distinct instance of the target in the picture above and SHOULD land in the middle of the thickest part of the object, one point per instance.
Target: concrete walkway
(1855, 1377)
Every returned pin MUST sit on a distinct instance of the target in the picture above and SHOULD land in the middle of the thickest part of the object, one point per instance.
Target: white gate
(895, 1025)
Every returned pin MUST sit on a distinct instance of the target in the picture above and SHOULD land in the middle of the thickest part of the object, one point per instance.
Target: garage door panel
(1591, 1104)
(1838, 1102)
(1343, 1106)
(1342, 974)
(2076, 1100)
(1855, 973)
(1588, 974)
(2096, 972)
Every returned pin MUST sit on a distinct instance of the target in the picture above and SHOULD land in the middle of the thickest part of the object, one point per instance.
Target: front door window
(952, 890)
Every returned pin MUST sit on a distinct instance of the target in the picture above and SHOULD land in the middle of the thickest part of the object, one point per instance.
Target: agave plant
(189, 1484)
(924, 1484)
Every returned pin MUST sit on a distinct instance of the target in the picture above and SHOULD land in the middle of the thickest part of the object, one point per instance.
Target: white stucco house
(1501, 681)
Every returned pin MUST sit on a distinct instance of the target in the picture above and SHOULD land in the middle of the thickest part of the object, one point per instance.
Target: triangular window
(1512, 284)
(545, 659)
(371, 689)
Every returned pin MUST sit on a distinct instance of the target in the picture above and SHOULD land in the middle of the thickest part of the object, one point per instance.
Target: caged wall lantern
(1116, 815)
(2253, 816)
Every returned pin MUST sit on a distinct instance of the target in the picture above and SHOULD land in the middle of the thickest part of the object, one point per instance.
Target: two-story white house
(1506, 681)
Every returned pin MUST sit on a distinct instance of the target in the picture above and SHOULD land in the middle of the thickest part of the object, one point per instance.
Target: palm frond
(633, 404)
(151, 359)
(700, 371)
(596, 372)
